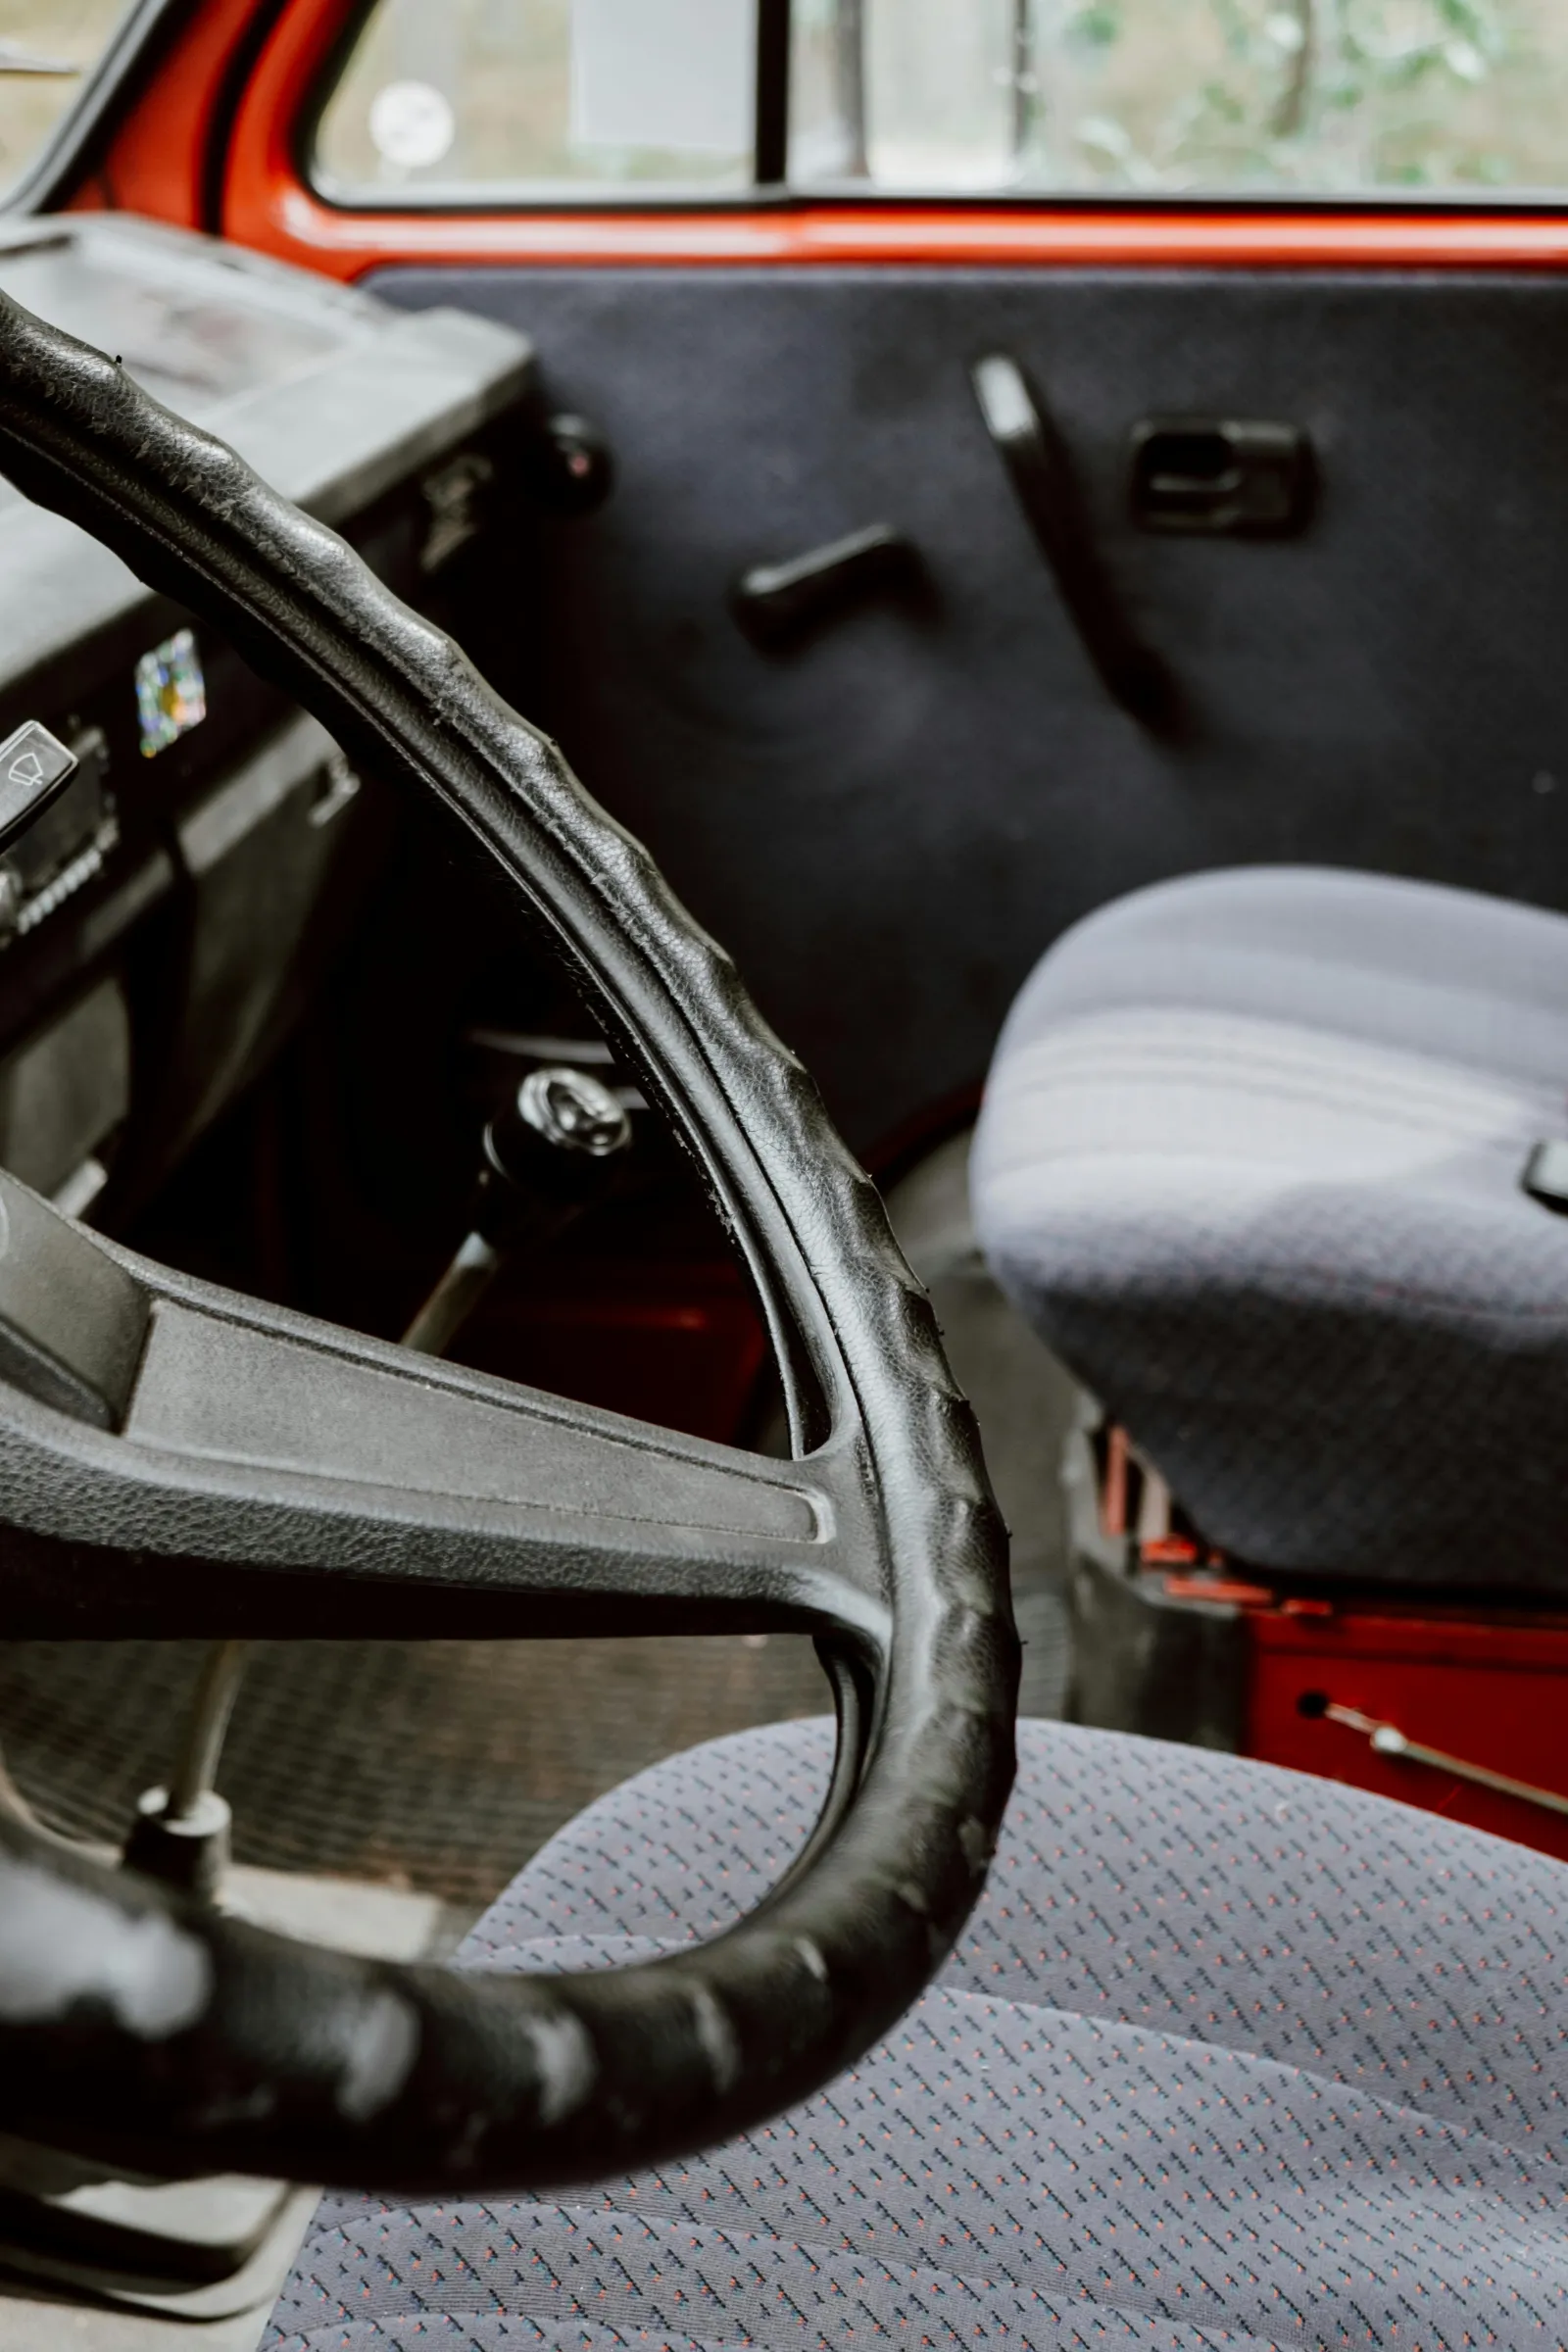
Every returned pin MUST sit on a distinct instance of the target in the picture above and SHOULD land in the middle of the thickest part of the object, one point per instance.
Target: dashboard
(164, 906)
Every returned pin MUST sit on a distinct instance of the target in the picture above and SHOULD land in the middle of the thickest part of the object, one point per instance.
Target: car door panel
(891, 820)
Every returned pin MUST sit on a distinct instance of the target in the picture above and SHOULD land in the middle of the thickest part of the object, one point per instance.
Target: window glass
(482, 97)
(1229, 97)
(1182, 96)
(46, 48)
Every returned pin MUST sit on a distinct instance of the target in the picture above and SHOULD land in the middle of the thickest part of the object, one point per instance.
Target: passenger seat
(1252, 1161)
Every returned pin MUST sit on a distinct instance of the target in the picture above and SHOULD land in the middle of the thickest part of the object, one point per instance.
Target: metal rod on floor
(206, 1726)
(1388, 1741)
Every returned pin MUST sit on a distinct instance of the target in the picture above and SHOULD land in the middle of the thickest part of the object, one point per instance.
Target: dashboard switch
(34, 766)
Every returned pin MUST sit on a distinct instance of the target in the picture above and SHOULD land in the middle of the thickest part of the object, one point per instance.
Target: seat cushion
(1226, 2056)
(1249, 1160)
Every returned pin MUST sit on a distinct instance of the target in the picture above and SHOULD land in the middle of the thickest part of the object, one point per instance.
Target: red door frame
(233, 81)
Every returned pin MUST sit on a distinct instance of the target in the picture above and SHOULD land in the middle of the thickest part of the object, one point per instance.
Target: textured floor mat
(438, 1765)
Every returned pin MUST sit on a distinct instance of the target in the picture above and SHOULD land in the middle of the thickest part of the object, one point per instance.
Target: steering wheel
(190, 1461)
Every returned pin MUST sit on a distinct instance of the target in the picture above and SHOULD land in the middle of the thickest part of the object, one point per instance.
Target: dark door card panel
(890, 823)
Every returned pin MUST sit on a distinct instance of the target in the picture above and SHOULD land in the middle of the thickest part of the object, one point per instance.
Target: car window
(543, 95)
(1227, 97)
(47, 47)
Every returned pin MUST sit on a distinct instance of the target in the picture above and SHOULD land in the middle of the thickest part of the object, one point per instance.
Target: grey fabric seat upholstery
(1249, 1160)
(1227, 2057)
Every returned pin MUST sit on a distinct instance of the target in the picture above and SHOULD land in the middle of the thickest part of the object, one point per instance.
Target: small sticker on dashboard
(171, 692)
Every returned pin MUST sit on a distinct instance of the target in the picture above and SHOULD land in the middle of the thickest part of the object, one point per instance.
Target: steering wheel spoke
(246, 1438)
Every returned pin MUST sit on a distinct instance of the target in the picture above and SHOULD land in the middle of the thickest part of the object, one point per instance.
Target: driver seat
(1226, 2055)
(1252, 1160)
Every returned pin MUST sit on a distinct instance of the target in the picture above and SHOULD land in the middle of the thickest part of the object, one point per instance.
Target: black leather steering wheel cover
(143, 2029)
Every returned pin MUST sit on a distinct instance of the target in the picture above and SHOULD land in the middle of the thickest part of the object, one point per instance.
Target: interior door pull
(776, 603)
(1222, 477)
(1040, 470)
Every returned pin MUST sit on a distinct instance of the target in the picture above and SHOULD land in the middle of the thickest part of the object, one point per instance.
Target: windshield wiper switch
(34, 768)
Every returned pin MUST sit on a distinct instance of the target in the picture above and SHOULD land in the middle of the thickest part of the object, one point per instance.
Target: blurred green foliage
(1322, 94)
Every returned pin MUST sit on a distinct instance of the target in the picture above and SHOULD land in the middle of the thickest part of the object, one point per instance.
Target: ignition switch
(555, 1147)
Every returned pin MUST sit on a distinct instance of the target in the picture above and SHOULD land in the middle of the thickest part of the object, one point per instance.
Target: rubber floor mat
(436, 1765)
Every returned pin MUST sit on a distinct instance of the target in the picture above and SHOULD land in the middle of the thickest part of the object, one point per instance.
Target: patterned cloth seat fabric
(1227, 2058)
(1249, 1160)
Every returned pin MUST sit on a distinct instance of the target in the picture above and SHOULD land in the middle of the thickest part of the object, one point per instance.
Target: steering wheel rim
(134, 2025)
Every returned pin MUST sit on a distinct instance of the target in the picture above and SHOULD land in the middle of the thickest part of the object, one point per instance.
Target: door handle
(1039, 466)
(774, 604)
(1222, 477)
